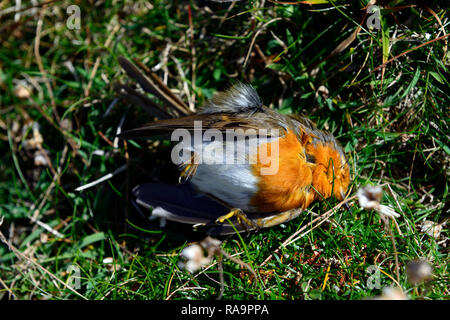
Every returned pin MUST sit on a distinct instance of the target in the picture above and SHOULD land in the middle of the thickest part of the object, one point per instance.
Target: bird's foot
(241, 218)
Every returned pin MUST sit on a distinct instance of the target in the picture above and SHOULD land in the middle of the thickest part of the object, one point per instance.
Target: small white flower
(194, 258)
(39, 159)
(431, 228)
(369, 198)
(110, 265)
(108, 260)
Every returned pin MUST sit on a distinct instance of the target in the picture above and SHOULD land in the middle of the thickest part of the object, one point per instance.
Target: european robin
(278, 164)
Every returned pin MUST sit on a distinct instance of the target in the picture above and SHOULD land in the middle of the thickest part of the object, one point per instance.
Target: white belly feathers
(225, 168)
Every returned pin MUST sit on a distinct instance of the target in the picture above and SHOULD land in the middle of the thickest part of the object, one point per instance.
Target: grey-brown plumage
(240, 98)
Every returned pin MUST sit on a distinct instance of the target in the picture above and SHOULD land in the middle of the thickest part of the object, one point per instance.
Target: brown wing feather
(208, 121)
(153, 85)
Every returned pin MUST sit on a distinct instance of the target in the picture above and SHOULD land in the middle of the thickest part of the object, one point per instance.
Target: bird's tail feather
(150, 83)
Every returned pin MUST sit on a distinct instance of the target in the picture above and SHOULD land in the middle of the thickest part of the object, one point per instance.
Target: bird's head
(331, 173)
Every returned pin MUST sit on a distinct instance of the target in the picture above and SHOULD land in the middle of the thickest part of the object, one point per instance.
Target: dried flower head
(369, 198)
(193, 256)
(387, 211)
(418, 271)
(431, 228)
(110, 265)
(36, 139)
(40, 159)
(22, 90)
(211, 245)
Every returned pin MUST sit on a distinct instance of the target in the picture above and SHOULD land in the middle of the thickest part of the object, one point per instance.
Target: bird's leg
(190, 168)
(241, 218)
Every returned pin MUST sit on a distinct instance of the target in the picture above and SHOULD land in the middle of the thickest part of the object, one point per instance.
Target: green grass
(393, 125)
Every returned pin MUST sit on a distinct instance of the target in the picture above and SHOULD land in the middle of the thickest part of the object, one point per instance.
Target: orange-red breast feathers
(289, 187)
(307, 170)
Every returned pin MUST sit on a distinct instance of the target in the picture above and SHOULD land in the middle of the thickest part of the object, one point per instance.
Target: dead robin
(283, 164)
